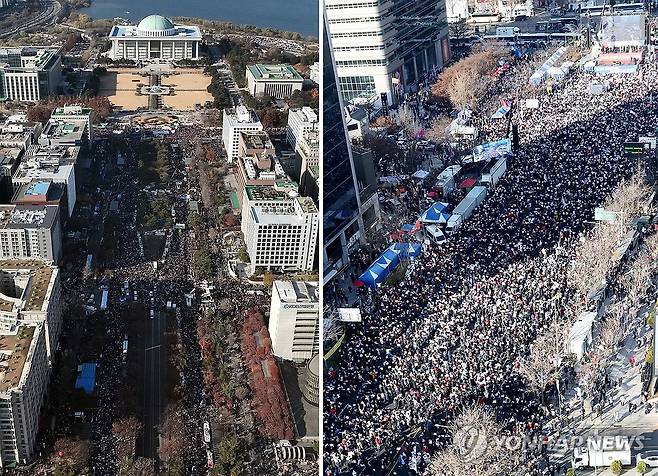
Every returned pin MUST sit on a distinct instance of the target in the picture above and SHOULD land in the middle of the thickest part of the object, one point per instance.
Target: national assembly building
(155, 39)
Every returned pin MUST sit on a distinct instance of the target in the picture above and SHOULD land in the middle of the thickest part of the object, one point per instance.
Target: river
(289, 15)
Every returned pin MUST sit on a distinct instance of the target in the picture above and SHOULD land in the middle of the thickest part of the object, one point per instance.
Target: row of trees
(220, 94)
(468, 79)
(40, 112)
(269, 398)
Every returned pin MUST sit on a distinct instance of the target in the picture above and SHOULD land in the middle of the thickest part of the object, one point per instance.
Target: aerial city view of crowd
(456, 331)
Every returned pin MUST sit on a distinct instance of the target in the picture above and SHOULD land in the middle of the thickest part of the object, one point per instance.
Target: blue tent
(436, 213)
(382, 267)
(87, 377)
(407, 227)
(409, 250)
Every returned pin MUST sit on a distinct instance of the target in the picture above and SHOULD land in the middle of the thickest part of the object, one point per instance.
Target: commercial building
(17, 131)
(383, 49)
(235, 121)
(30, 231)
(155, 39)
(294, 325)
(29, 74)
(275, 80)
(299, 122)
(77, 117)
(30, 326)
(280, 229)
(49, 164)
(351, 204)
(258, 165)
(311, 390)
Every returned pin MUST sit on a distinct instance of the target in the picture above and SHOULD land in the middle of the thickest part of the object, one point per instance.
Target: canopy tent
(407, 227)
(87, 377)
(388, 261)
(435, 214)
(408, 250)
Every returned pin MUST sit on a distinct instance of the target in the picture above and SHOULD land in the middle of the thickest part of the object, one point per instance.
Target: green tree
(641, 467)
(615, 467)
(201, 264)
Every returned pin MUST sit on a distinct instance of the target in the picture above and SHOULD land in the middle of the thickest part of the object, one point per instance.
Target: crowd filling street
(450, 333)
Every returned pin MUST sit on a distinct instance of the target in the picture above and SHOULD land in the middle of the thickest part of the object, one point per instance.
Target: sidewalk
(635, 424)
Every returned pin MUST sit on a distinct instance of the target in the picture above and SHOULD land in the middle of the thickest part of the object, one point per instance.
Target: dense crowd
(451, 332)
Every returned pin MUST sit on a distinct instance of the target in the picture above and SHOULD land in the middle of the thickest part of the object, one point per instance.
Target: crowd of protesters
(451, 332)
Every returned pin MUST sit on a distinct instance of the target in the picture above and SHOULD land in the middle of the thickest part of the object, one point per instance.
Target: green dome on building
(155, 23)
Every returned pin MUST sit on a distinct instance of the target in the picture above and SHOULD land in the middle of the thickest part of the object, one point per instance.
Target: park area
(190, 87)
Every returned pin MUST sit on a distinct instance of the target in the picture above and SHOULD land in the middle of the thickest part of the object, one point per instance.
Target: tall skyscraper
(383, 47)
(350, 201)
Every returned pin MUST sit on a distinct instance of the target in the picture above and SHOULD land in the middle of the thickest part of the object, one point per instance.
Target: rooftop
(296, 291)
(241, 115)
(156, 26)
(39, 192)
(14, 349)
(276, 72)
(27, 216)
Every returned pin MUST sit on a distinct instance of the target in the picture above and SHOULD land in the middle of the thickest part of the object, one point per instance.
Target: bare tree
(539, 367)
(476, 447)
(437, 131)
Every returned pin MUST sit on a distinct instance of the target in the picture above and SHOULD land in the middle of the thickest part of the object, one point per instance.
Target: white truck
(600, 456)
(465, 208)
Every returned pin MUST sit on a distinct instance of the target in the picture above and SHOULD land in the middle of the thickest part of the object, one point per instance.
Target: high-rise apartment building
(384, 47)
(294, 325)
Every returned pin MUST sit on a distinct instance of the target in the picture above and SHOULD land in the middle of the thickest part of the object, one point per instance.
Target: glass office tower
(385, 48)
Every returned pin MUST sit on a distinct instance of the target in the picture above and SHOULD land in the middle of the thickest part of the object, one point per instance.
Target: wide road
(50, 9)
(155, 369)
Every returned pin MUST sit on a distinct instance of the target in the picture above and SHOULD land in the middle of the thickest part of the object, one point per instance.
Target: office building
(280, 229)
(235, 121)
(382, 49)
(311, 390)
(278, 81)
(299, 122)
(17, 131)
(294, 325)
(155, 39)
(30, 326)
(23, 383)
(315, 72)
(76, 118)
(29, 74)
(30, 231)
(50, 164)
(257, 165)
(351, 204)
(308, 150)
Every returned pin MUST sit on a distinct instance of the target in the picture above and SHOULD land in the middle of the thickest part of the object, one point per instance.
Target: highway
(46, 16)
